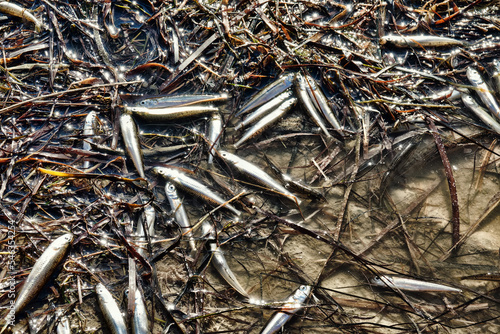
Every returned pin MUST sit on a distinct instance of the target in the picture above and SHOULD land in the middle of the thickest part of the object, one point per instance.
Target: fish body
(110, 310)
(16, 10)
(265, 109)
(257, 174)
(420, 41)
(180, 100)
(140, 321)
(193, 186)
(480, 112)
(220, 264)
(321, 102)
(292, 305)
(483, 91)
(42, 270)
(214, 134)
(63, 327)
(149, 215)
(268, 93)
(302, 88)
(267, 121)
(170, 113)
(180, 213)
(88, 132)
(408, 284)
(130, 136)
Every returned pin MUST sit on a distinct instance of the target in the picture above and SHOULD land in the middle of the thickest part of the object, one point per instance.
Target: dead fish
(42, 270)
(170, 113)
(268, 93)
(267, 121)
(321, 102)
(63, 327)
(302, 88)
(214, 134)
(420, 41)
(16, 10)
(193, 186)
(88, 132)
(130, 136)
(110, 310)
(483, 91)
(480, 112)
(220, 264)
(180, 100)
(265, 109)
(292, 184)
(408, 284)
(292, 305)
(257, 174)
(180, 213)
(140, 321)
(149, 215)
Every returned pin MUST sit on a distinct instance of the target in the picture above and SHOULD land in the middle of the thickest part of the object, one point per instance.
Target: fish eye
(143, 103)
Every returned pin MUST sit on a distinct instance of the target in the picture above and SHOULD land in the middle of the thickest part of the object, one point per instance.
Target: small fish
(88, 132)
(480, 112)
(267, 121)
(321, 102)
(140, 321)
(257, 174)
(180, 100)
(130, 136)
(292, 305)
(302, 88)
(63, 327)
(16, 10)
(220, 264)
(149, 215)
(42, 270)
(483, 91)
(268, 93)
(292, 184)
(264, 109)
(180, 213)
(193, 186)
(420, 41)
(408, 284)
(170, 113)
(110, 310)
(214, 134)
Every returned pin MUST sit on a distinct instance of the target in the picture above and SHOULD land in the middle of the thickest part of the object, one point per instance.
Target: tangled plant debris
(246, 166)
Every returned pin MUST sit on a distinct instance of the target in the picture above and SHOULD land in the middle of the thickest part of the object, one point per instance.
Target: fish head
(302, 293)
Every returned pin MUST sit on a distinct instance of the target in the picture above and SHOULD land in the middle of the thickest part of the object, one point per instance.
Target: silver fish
(16, 10)
(88, 132)
(483, 91)
(267, 121)
(63, 327)
(408, 284)
(321, 102)
(180, 213)
(214, 134)
(149, 215)
(292, 305)
(302, 88)
(220, 264)
(180, 100)
(420, 41)
(268, 93)
(140, 321)
(42, 270)
(257, 174)
(170, 113)
(193, 186)
(265, 109)
(130, 136)
(480, 112)
(110, 310)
